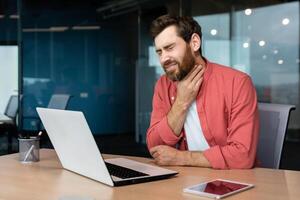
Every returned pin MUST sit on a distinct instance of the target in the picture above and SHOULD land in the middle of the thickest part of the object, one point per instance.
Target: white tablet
(218, 188)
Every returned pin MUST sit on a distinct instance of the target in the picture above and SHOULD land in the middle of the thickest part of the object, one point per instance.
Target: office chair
(8, 122)
(57, 101)
(273, 125)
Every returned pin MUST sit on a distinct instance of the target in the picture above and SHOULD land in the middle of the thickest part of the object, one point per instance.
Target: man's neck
(199, 60)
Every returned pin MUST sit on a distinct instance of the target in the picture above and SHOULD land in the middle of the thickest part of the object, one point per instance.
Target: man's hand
(165, 155)
(187, 90)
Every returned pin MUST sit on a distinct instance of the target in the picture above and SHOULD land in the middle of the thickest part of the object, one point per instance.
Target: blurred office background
(100, 52)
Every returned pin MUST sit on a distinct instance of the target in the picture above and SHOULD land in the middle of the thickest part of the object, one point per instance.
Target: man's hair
(186, 27)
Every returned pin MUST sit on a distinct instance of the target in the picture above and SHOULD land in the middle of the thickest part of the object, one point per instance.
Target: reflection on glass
(259, 46)
(215, 37)
(272, 51)
(8, 74)
(154, 62)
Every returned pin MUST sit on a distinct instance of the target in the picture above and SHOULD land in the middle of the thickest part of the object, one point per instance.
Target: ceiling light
(35, 30)
(264, 57)
(86, 27)
(213, 32)
(245, 44)
(51, 29)
(2, 16)
(275, 51)
(280, 62)
(248, 11)
(58, 28)
(14, 16)
(285, 21)
(261, 43)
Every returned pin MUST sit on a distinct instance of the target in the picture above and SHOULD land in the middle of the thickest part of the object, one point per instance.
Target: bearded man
(204, 114)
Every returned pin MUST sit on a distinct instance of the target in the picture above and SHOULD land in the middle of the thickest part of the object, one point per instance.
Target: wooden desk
(47, 180)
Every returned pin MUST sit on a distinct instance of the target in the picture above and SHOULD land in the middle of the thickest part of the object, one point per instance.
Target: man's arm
(166, 125)
(243, 130)
(242, 137)
(165, 155)
(187, 91)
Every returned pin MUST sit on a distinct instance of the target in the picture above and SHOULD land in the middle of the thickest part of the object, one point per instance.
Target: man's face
(175, 55)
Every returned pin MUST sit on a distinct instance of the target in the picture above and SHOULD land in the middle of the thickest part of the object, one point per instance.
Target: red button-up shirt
(227, 110)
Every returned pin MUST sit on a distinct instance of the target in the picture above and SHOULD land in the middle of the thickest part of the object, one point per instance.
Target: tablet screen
(218, 187)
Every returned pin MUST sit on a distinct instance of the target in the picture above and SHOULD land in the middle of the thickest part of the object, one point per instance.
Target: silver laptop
(78, 152)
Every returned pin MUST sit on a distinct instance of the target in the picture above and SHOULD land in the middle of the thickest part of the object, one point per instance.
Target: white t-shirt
(193, 131)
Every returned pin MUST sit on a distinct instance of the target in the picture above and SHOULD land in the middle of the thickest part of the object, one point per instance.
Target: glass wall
(9, 52)
(216, 37)
(76, 48)
(265, 48)
(8, 73)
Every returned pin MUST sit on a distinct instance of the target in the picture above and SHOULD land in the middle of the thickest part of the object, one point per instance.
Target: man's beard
(188, 63)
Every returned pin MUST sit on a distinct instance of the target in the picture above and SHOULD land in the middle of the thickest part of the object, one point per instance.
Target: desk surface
(47, 180)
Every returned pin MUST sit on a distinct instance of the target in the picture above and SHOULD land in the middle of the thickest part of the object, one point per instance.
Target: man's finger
(153, 150)
(198, 83)
(193, 73)
(198, 76)
(155, 155)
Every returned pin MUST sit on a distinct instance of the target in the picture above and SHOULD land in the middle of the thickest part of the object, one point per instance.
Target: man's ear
(195, 42)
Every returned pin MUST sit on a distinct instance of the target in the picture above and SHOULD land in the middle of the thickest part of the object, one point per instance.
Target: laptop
(78, 152)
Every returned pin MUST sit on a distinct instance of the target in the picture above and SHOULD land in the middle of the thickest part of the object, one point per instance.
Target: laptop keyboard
(123, 172)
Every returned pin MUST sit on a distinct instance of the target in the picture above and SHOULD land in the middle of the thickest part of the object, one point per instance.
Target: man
(204, 114)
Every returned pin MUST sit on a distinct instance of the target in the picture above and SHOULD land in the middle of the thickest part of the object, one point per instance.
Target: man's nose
(164, 58)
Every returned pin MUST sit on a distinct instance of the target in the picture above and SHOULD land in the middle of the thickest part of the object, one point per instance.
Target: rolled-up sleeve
(243, 130)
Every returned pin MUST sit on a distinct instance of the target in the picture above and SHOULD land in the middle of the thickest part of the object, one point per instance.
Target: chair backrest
(12, 107)
(273, 125)
(59, 101)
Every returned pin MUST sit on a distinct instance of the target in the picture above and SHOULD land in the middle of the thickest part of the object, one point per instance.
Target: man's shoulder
(164, 81)
(227, 72)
